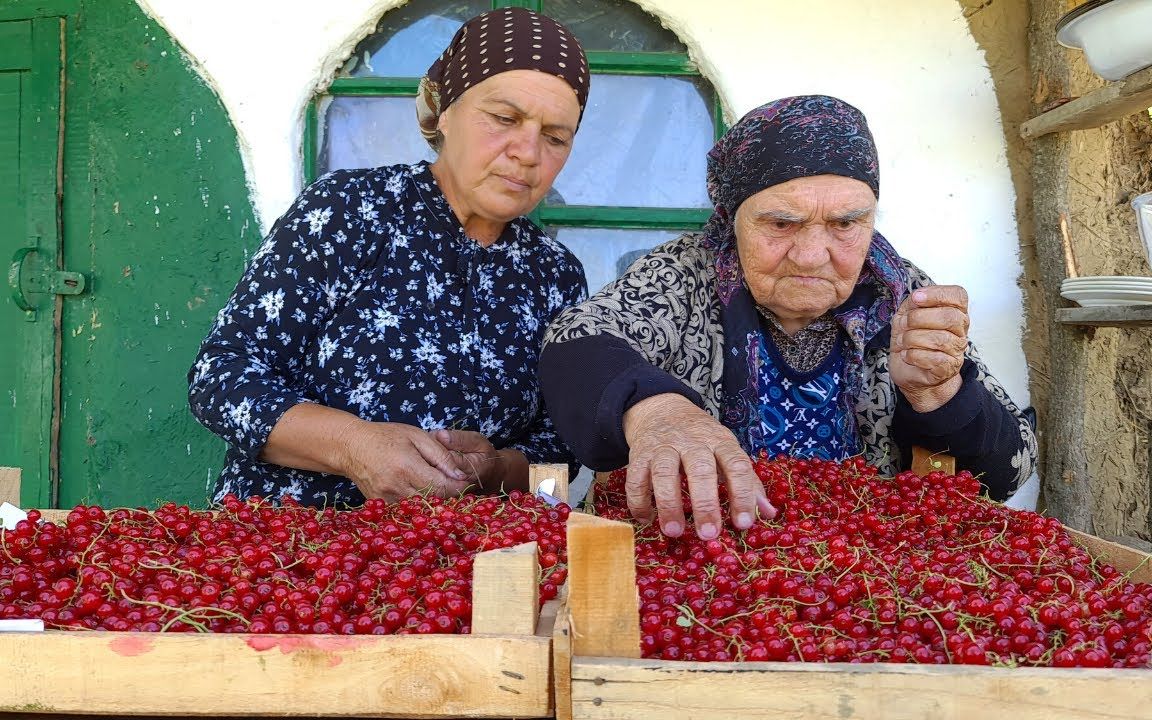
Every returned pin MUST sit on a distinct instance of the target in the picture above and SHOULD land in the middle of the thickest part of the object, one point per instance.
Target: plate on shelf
(1111, 281)
(1101, 296)
(1108, 290)
(1128, 288)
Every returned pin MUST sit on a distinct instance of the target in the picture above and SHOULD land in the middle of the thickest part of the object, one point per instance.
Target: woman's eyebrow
(507, 103)
(521, 113)
(851, 215)
(779, 215)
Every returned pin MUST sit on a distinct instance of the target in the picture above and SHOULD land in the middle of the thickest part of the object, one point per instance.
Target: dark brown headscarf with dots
(494, 42)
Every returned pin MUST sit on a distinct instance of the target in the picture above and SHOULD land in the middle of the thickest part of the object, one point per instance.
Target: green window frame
(571, 216)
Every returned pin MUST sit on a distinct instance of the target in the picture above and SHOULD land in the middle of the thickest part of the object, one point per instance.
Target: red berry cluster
(252, 567)
(862, 568)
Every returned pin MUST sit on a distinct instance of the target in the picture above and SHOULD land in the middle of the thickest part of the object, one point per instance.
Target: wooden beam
(618, 689)
(10, 485)
(1066, 484)
(559, 473)
(506, 591)
(224, 675)
(925, 461)
(1111, 316)
(602, 595)
(1111, 102)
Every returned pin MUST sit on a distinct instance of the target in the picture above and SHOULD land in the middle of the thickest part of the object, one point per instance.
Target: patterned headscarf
(787, 139)
(494, 42)
(783, 140)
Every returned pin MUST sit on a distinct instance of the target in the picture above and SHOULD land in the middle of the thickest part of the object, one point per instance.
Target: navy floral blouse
(368, 297)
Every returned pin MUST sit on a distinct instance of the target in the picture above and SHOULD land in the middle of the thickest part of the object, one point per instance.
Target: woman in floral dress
(384, 339)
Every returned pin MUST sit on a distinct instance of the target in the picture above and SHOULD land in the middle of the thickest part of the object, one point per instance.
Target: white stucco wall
(911, 65)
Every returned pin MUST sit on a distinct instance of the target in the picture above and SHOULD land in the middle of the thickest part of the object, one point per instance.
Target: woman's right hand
(667, 433)
(393, 461)
(386, 460)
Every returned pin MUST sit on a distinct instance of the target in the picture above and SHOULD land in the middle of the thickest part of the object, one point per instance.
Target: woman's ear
(442, 121)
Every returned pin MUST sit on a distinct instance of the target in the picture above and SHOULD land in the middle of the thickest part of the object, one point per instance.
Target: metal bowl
(1114, 35)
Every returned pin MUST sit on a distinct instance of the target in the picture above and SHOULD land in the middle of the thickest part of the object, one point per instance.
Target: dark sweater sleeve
(588, 385)
(244, 377)
(977, 429)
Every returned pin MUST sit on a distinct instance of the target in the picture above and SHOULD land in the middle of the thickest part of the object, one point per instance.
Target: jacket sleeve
(590, 383)
(621, 346)
(242, 380)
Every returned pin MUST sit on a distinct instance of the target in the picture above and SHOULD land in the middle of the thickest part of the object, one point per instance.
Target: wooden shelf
(1113, 101)
(1108, 316)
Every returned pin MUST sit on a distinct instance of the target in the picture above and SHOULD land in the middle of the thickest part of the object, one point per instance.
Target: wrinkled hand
(929, 337)
(473, 455)
(666, 433)
(393, 461)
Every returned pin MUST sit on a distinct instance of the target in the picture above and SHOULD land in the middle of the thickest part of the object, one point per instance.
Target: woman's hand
(490, 469)
(929, 337)
(385, 460)
(666, 433)
(393, 461)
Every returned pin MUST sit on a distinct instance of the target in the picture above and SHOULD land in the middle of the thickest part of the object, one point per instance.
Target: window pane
(371, 131)
(613, 25)
(409, 38)
(643, 142)
(605, 253)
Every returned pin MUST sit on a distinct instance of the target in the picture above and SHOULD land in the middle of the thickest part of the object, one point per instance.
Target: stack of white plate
(1108, 290)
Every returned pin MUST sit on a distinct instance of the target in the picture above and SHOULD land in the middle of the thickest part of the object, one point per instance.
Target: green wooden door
(30, 69)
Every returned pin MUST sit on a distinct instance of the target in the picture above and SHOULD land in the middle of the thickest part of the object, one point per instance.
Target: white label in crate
(28, 625)
(10, 515)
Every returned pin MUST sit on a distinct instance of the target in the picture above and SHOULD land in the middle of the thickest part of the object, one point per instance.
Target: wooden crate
(599, 673)
(503, 669)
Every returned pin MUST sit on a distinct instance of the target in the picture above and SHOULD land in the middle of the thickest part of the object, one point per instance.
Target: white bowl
(1115, 35)
(1142, 205)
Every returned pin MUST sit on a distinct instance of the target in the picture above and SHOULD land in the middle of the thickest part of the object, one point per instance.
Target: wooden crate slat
(103, 673)
(538, 473)
(1124, 559)
(602, 595)
(59, 517)
(635, 689)
(562, 664)
(506, 591)
(10, 485)
(925, 461)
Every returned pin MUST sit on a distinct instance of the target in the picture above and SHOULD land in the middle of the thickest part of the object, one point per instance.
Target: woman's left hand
(493, 470)
(929, 338)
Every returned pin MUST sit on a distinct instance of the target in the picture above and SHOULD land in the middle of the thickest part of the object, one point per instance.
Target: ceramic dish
(1114, 35)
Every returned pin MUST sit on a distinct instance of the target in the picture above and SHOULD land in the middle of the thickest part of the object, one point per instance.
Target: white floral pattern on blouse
(368, 297)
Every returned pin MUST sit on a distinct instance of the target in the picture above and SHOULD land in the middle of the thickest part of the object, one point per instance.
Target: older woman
(384, 338)
(789, 326)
